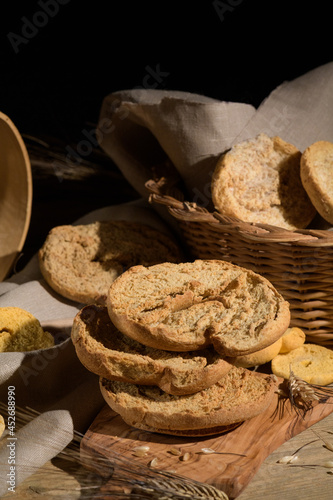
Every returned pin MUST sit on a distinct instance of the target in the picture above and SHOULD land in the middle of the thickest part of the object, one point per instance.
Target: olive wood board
(240, 451)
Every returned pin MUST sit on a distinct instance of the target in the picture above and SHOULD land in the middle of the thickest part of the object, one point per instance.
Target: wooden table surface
(306, 479)
(66, 198)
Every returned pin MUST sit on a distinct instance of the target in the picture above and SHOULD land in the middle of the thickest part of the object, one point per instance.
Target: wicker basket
(298, 263)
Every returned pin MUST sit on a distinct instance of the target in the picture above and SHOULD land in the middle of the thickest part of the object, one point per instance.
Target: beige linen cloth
(140, 129)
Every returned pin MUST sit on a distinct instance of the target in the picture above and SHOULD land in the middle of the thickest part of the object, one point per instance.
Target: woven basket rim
(16, 198)
(167, 192)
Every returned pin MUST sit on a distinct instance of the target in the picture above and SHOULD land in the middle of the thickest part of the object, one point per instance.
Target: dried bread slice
(311, 362)
(258, 180)
(317, 177)
(80, 262)
(105, 351)
(238, 396)
(20, 331)
(188, 306)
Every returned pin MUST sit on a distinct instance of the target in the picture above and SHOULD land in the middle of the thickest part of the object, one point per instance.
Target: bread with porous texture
(80, 262)
(20, 331)
(240, 395)
(105, 351)
(258, 181)
(317, 177)
(311, 362)
(191, 305)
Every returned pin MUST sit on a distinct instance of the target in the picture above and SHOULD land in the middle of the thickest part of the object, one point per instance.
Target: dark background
(60, 58)
(237, 50)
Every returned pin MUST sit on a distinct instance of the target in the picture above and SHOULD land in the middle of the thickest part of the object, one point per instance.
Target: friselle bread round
(188, 306)
(20, 331)
(317, 177)
(258, 180)
(240, 395)
(311, 362)
(80, 262)
(105, 351)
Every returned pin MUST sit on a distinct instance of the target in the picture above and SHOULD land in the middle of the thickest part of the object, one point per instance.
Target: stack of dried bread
(165, 346)
(269, 181)
(173, 342)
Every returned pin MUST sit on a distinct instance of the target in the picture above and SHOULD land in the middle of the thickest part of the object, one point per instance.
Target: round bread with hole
(317, 177)
(105, 351)
(80, 262)
(191, 305)
(240, 395)
(311, 362)
(258, 180)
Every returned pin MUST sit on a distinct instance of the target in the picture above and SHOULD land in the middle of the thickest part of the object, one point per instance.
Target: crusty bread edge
(157, 338)
(272, 331)
(318, 196)
(228, 157)
(107, 363)
(222, 429)
(70, 294)
(140, 416)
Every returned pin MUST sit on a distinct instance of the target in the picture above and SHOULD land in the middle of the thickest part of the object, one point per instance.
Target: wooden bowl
(15, 195)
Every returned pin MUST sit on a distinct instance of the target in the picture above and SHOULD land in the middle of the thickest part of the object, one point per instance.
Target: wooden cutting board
(242, 450)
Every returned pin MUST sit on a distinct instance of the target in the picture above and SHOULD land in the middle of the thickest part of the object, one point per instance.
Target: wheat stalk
(302, 395)
(49, 158)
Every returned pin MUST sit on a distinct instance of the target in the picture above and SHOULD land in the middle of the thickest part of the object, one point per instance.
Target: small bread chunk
(291, 339)
(259, 357)
(317, 177)
(240, 395)
(105, 351)
(311, 362)
(20, 331)
(188, 306)
(80, 262)
(259, 181)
